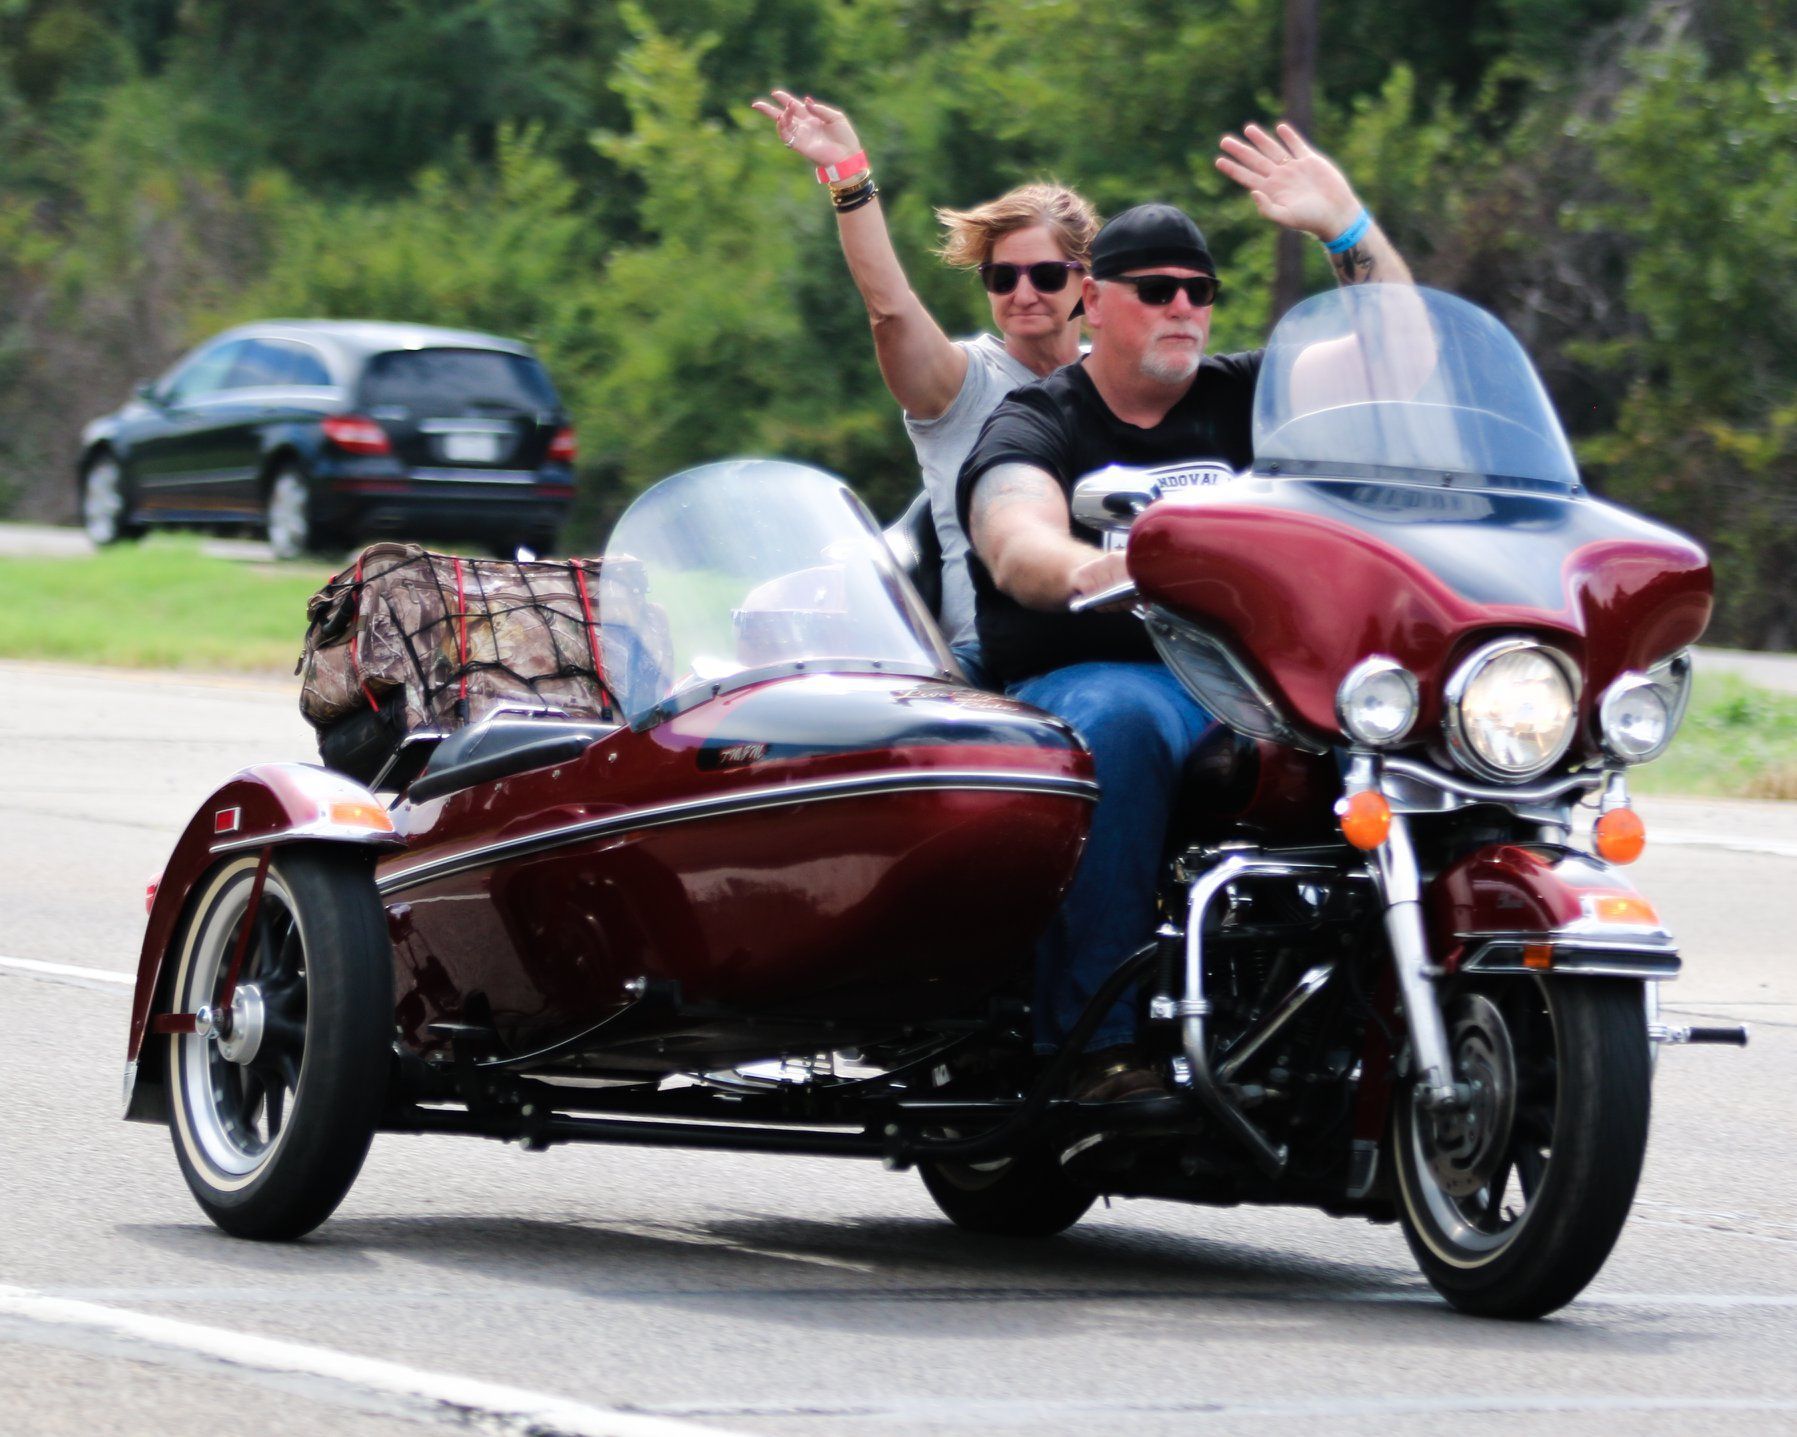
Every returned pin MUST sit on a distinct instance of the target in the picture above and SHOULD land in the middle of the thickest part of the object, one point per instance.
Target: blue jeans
(1141, 727)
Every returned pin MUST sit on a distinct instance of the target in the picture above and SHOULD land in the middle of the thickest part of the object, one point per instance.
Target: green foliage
(1704, 170)
(1616, 178)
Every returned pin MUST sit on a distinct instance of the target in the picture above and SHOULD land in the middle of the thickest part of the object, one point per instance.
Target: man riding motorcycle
(1145, 395)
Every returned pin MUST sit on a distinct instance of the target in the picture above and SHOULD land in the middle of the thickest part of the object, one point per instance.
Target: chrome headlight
(1640, 712)
(1377, 702)
(1512, 709)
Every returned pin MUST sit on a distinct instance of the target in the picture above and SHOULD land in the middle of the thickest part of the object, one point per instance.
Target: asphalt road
(470, 1286)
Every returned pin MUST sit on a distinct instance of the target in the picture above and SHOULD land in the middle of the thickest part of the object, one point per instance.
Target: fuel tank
(1305, 577)
(816, 846)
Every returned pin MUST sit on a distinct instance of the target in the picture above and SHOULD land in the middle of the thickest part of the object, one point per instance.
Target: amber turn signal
(1620, 835)
(1365, 818)
(361, 815)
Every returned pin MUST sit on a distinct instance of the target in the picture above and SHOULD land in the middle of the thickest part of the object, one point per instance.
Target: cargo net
(405, 640)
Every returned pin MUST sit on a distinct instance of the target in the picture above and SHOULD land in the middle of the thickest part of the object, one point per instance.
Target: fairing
(1337, 547)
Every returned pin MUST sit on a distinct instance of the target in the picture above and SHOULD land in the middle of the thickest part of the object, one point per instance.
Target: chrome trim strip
(725, 805)
(1586, 959)
(1494, 793)
(334, 832)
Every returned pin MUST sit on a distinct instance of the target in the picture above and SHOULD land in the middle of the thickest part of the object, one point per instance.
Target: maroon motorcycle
(781, 894)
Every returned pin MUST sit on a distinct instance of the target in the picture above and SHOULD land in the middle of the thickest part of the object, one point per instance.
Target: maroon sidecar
(798, 831)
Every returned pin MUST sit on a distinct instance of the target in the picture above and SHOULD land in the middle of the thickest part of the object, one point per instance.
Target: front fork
(1400, 885)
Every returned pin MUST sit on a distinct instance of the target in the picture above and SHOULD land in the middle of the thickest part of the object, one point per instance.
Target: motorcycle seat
(501, 747)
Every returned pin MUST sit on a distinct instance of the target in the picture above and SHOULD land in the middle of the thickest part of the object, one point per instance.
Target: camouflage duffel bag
(406, 640)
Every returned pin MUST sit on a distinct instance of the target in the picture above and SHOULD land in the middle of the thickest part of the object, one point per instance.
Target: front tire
(1512, 1207)
(106, 503)
(272, 1122)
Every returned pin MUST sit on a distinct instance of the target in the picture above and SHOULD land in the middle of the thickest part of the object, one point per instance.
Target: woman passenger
(1029, 245)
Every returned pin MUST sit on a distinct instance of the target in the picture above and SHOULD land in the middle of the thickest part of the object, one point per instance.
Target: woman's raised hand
(819, 133)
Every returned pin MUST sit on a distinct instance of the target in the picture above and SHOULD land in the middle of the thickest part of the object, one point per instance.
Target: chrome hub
(1467, 1143)
(240, 1038)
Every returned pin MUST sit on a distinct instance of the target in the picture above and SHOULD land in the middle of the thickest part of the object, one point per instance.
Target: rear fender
(269, 805)
(1542, 909)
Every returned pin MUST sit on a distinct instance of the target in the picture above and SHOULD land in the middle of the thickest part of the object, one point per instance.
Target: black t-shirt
(1062, 425)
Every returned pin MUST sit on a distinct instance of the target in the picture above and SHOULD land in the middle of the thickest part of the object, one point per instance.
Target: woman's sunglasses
(1159, 289)
(1047, 276)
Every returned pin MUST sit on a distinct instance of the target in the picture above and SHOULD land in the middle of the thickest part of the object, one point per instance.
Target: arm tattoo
(1005, 484)
(1353, 265)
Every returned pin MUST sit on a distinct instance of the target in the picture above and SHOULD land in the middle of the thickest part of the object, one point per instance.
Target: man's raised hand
(1292, 184)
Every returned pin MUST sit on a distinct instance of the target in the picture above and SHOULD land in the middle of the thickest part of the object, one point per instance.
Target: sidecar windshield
(734, 572)
(1407, 385)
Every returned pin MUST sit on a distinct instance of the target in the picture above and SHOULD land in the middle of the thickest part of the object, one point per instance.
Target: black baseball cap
(1149, 235)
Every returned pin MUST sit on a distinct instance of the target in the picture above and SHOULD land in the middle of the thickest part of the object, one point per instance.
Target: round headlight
(1512, 708)
(1377, 702)
(1635, 719)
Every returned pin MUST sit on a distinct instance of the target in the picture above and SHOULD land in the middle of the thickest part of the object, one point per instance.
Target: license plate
(471, 448)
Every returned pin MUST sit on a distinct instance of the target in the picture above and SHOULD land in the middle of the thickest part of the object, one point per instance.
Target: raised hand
(819, 133)
(1291, 183)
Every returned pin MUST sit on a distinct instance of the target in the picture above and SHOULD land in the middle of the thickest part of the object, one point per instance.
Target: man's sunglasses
(1159, 289)
(1047, 276)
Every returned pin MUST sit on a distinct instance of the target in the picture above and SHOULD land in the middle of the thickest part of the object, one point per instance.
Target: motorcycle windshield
(735, 572)
(1406, 385)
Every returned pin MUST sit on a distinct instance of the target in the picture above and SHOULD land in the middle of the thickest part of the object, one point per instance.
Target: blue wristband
(1352, 235)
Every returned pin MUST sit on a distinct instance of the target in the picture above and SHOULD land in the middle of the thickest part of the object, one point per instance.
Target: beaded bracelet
(855, 200)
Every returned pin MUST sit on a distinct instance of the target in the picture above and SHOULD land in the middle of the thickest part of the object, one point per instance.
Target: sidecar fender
(1545, 909)
(266, 805)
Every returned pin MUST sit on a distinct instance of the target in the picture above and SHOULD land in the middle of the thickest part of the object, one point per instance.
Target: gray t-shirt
(942, 444)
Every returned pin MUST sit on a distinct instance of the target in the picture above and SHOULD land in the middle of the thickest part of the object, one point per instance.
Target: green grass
(1738, 741)
(161, 604)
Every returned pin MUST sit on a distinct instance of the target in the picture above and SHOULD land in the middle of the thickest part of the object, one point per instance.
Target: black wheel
(273, 1111)
(106, 503)
(1025, 1196)
(1512, 1206)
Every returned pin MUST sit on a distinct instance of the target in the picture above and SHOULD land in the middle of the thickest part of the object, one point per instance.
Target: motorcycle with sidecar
(782, 896)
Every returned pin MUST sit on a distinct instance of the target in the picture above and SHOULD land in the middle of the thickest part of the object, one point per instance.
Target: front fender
(1541, 908)
(269, 804)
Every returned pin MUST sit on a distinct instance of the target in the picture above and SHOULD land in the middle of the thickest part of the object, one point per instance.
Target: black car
(322, 433)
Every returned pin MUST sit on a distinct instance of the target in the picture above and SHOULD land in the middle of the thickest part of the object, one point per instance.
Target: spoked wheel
(1513, 1204)
(274, 1108)
(1024, 1196)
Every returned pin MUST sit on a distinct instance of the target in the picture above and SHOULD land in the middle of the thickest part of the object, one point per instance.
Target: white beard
(1170, 368)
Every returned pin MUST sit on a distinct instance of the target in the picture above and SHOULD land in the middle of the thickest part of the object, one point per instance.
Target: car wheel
(273, 1109)
(106, 503)
(287, 515)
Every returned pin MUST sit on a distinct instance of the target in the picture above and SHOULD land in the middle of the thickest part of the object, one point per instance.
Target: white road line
(494, 1406)
(39, 969)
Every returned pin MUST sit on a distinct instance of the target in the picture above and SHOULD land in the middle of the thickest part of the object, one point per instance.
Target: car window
(204, 374)
(277, 363)
(457, 381)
